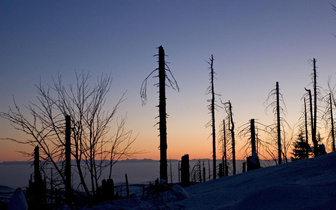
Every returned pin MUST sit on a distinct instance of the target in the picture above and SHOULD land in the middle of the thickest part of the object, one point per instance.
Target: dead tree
(90, 124)
(231, 127)
(253, 135)
(313, 108)
(185, 175)
(68, 188)
(332, 104)
(253, 160)
(37, 173)
(36, 192)
(224, 147)
(163, 68)
(279, 121)
(332, 124)
(329, 120)
(212, 109)
(306, 125)
(313, 128)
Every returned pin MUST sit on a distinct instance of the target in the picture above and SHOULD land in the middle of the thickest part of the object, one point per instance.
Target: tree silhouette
(163, 68)
(231, 128)
(303, 121)
(224, 144)
(90, 122)
(314, 107)
(306, 123)
(329, 120)
(301, 148)
(277, 110)
(212, 109)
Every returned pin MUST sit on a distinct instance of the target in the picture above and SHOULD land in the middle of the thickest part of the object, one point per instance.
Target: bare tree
(223, 142)
(262, 146)
(332, 104)
(278, 110)
(313, 98)
(306, 124)
(92, 143)
(212, 109)
(231, 128)
(163, 68)
(329, 120)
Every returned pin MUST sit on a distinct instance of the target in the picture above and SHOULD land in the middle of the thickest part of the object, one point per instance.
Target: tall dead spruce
(277, 110)
(162, 70)
(313, 108)
(231, 127)
(332, 124)
(278, 122)
(328, 116)
(306, 125)
(212, 109)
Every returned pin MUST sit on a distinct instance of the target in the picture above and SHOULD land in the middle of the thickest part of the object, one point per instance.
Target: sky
(254, 44)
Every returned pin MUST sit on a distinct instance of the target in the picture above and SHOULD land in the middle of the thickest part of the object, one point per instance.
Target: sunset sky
(254, 44)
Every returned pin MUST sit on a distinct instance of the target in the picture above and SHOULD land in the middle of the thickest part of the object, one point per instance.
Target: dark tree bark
(315, 109)
(312, 124)
(68, 189)
(332, 124)
(253, 140)
(212, 110)
(162, 70)
(37, 173)
(278, 123)
(162, 115)
(224, 151)
(306, 125)
(185, 175)
(232, 139)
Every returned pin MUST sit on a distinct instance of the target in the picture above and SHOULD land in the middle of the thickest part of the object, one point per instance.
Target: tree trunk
(185, 175)
(312, 124)
(224, 148)
(306, 126)
(253, 141)
(127, 187)
(37, 174)
(315, 111)
(213, 118)
(162, 116)
(278, 123)
(233, 140)
(332, 124)
(68, 193)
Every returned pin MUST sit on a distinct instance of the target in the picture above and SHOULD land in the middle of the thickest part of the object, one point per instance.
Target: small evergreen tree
(301, 148)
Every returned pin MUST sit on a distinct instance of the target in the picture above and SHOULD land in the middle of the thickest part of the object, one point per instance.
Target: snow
(18, 201)
(179, 192)
(303, 184)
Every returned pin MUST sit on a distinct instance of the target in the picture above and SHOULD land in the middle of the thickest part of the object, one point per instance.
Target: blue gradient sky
(254, 45)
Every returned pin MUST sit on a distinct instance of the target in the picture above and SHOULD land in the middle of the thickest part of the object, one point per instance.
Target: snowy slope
(305, 184)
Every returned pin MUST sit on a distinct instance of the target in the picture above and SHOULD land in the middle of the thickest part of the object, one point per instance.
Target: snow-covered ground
(304, 184)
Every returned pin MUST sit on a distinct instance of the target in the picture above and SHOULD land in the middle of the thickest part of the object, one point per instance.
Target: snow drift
(303, 184)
